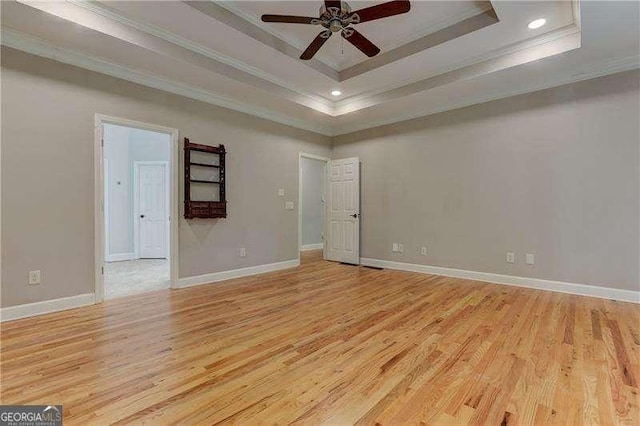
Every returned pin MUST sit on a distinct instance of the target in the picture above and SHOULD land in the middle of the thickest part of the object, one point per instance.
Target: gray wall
(47, 212)
(555, 173)
(312, 200)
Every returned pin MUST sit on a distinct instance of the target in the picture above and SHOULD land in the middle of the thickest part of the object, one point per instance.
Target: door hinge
(101, 142)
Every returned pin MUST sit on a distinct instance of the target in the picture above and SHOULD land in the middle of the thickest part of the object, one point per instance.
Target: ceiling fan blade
(361, 42)
(316, 44)
(329, 4)
(383, 10)
(290, 19)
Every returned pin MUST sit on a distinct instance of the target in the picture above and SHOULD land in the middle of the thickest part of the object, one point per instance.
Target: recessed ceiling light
(336, 93)
(537, 23)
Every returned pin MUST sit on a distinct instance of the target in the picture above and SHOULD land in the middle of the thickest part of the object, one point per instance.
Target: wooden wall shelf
(208, 200)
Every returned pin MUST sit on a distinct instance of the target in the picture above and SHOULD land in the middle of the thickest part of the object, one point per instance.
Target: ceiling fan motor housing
(336, 19)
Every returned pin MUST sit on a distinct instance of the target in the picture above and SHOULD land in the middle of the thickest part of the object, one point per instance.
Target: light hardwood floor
(332, 344)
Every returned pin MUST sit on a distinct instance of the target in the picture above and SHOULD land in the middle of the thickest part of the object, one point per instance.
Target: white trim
(199, 49)
(326, 160)
(119, 257)
(39, 47)
(280, 36)
(422, 31)
(310, 247)
(236, 273)
(314, 157)
(385, 92)
(536, 283)
(107, 207)
(98, 157)
(35, 46)
(611, 67)
(136, 202)
(46, 307)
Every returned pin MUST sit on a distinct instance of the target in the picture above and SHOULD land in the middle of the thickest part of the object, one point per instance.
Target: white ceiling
(425, 17)
(223, 53)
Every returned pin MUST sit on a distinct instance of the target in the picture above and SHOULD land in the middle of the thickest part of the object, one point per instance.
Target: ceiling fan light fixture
(335, 26)
(537, 23)
(336, 93)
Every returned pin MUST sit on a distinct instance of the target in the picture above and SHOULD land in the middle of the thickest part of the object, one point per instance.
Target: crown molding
(43, 48)
(251, 19)
(197, 48)
(247, 73)
(498, 63)
(422, 31)
(426, 30)
(597, 70)
(385, 93)
(422, 44)
(567, 30)
(223, 14)
(40, 47)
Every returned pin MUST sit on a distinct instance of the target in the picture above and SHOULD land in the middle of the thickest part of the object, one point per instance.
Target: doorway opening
(312, 204)
(138, 202)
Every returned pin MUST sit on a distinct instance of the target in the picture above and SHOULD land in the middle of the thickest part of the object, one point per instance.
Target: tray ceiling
(388, 33)
(220, 52)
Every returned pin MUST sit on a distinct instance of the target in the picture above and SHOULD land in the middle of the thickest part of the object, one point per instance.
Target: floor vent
(373, 267)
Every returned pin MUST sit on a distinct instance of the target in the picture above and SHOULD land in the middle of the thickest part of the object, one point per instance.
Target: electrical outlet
(243, 252)
(34, 277)
(530, 259)
(394, 248)
(511, 257)
(400, 248)
(423, 250)
(288, 205)
(281, 192)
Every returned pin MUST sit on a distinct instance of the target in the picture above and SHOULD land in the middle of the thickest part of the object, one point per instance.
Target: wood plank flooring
(332, 344)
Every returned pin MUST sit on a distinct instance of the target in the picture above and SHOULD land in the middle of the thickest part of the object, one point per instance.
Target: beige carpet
(135, 276)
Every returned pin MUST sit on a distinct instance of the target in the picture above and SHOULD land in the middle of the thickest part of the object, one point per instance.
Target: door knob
(355, 215)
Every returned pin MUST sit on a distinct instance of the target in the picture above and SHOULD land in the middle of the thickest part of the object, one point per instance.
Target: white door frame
(106, 206)
(326, 160)
(98, 188)
(136, 201)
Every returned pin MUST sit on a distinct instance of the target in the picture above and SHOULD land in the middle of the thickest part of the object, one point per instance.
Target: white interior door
(153, 212)
(343, 242)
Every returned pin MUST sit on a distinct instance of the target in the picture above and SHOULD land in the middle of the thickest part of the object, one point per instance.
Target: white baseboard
(557, 286)
(46, 307)
(119, 257)
(236, 273)
(309, 247)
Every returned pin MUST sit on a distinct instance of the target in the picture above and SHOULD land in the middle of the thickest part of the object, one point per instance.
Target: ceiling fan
(337, 16)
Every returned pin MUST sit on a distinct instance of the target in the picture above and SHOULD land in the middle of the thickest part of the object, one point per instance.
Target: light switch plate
(281, 192)
(394, 248)
(511, 257)
(400, 248)
(288, 205)
(243, 252)
(530, 259)
(423, 250)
